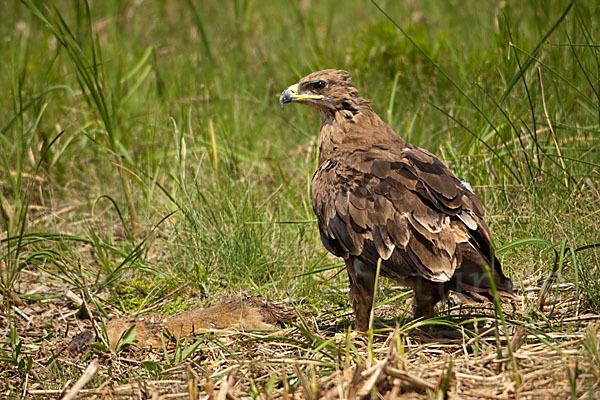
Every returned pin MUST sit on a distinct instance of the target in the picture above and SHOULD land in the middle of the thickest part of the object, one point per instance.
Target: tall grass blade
(518, 75)
(200, 25)
(438, 67)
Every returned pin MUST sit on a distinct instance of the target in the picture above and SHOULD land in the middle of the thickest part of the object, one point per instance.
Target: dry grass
(455, 359)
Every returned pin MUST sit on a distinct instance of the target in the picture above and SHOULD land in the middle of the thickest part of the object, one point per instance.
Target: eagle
(384, 203)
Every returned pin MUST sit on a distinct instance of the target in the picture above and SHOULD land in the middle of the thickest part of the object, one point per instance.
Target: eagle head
(326, 90)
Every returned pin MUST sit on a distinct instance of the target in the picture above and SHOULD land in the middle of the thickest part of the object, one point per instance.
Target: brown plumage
(377, 196)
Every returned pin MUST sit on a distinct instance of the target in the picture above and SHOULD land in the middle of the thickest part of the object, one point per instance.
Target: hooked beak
(291, 94)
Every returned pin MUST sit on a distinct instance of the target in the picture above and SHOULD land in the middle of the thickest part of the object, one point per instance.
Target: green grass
(143, 148)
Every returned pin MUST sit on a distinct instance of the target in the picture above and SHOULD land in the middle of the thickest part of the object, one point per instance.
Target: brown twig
(88, 374)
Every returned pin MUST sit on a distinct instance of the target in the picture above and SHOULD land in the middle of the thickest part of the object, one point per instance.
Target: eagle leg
(427, 295)
(362, 285)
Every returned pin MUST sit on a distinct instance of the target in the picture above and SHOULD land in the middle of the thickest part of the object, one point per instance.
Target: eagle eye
(318, 85)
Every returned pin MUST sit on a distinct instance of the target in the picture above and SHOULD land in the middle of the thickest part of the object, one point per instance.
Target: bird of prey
(378, 198)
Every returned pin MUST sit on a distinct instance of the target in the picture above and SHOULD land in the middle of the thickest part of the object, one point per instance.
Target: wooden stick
(88, 374)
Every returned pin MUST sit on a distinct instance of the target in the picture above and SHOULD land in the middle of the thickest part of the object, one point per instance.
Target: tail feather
(471, 280)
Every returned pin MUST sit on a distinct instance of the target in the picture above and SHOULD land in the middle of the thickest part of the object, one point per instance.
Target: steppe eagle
(378, 197)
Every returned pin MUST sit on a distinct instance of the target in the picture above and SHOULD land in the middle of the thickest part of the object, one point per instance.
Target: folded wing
(408, 209)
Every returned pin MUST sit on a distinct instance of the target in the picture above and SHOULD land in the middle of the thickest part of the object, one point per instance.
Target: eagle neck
(360, 128)
(329, 139)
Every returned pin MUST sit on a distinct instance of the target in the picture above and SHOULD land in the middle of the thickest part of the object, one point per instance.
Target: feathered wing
(405, 207)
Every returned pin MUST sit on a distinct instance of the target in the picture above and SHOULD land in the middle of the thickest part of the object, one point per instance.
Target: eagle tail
(472, 281)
